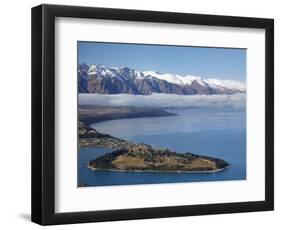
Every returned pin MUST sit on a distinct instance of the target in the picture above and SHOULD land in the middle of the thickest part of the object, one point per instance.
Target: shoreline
(90, 115)
(156, 171)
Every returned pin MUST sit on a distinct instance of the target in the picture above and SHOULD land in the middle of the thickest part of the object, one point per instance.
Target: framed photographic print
(142, 114)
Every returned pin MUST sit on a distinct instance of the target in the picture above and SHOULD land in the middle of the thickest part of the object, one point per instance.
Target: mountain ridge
(101, 79)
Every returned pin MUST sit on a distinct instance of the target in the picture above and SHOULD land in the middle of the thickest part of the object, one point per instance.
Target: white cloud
(164, 100)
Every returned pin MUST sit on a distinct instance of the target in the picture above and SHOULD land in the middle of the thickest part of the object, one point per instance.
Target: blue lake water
(213, 132)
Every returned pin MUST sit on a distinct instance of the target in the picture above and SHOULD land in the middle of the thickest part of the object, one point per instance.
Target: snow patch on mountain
(174, 78)
(231, 84)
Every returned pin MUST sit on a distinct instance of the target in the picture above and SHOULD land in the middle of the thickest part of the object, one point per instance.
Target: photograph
(150, 114)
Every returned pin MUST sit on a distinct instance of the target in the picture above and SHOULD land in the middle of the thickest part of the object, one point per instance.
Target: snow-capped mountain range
(113, 80)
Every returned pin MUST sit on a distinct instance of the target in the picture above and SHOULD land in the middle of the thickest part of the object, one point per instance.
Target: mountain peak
(113, 80)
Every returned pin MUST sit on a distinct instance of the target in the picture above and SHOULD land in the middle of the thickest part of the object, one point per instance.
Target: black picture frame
(43, 114)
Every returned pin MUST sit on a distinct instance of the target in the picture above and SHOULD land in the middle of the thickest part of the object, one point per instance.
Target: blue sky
(200, 61)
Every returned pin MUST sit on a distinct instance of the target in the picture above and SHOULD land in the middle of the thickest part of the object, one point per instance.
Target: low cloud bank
(237, 101)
